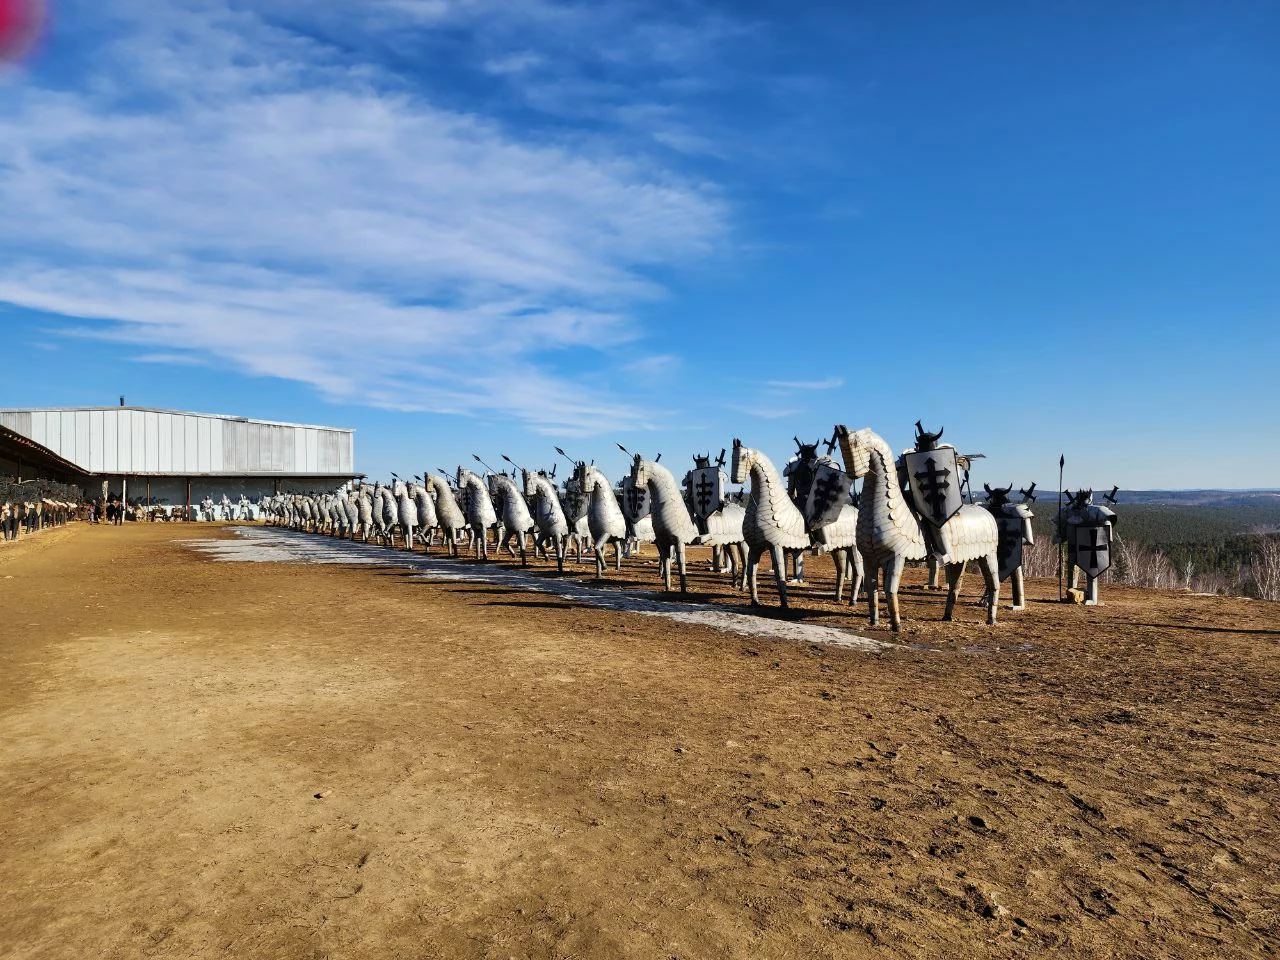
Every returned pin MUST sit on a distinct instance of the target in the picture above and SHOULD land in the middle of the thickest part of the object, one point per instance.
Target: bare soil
(203, 759)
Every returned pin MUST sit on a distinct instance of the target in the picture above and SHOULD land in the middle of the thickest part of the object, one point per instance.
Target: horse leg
(738, 553)
(879, 573)
(1016, 585)
(856, 568)
(991, 574)
(840, 557)
(562, 547)
(892, 577)
(680, 558)
(955, 578)
(779, 556)
(753, 570)
(617, 555)
(598, 550)
(664, 566)
(933, 572)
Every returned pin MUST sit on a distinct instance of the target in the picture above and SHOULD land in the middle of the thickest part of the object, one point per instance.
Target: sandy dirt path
(210, 759)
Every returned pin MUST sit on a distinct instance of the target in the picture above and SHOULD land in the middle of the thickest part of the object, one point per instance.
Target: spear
(476, 457)
(1062, 460)
(567, 457)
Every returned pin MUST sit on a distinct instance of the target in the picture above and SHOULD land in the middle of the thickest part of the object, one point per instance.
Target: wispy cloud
(763, 412)
(229, 185)
(828, 383)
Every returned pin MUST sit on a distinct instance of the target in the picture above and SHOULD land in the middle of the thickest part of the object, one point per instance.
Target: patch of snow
(278, 545)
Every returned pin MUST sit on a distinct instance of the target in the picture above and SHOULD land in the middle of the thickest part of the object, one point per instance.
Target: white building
(177, 457)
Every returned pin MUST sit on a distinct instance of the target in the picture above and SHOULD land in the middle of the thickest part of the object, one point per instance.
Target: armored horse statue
(516, 520)
(548, 515)
(719, 520)
(1014, 522)
(821, 491)
(604, 515)
(890, 533)
(481, 514)
(673, 528)
(426, 510)
(772, 522)
(406, 511)
(449, 516)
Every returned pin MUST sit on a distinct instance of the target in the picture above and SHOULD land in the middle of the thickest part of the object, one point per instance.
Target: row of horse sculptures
(808, 507)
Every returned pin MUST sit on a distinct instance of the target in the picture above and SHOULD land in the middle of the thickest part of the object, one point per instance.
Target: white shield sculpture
(934, 477)
(706, 492)
(828, 495)
(1093, 549)
(1009, 549)
(635, 501)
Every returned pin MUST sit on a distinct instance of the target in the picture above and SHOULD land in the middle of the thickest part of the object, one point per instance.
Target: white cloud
(221, 188)
(827, 383)
(763, 412)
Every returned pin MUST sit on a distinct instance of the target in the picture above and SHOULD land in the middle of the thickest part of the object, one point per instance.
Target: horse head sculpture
(855, 449)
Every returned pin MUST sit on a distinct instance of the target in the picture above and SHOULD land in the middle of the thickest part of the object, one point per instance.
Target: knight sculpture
(1086, 527)
(1013, 520)
(719, 520)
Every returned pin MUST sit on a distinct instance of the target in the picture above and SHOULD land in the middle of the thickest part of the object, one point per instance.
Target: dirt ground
(203, 759)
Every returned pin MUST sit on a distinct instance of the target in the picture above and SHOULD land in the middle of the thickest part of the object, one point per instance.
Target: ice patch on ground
(277, 545)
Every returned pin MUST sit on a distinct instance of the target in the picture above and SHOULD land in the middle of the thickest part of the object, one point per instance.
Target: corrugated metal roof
(146, 440)
(181, 413)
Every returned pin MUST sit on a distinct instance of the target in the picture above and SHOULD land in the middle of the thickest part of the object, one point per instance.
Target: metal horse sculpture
(548, 515)
(673, 528)
(1014, 523)
(720, 522)
(604, 515)
(449, 516)
(772, 522)
(820, 490)
(406, 511)
(516, 520)
(426, 508)
(479, 509)
(890, 534)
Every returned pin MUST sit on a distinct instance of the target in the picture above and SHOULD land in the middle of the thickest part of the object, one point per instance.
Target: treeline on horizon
(1229, 549)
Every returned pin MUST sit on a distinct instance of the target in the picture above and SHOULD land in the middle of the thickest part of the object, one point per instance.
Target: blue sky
(497, 226)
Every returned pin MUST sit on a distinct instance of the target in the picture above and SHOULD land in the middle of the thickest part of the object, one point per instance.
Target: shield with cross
(1009, 546)
(1093, 548)
(635, 501)
(706, 491)
(828, 495)
(934, 477)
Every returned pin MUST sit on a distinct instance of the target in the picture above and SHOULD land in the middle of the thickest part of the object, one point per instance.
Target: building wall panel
(151, 442)
(191, 449)
(110, 454)
(164, 434)
(96, 442)
(84, 449)
(215, 446)
(52, 431)
(136, 441)
(202, 445)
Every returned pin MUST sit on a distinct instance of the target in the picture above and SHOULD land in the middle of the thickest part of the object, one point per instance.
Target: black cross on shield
(1093, 549)
(934, 478)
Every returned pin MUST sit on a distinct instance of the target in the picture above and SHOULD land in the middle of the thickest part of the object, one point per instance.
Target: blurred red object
(20, 24)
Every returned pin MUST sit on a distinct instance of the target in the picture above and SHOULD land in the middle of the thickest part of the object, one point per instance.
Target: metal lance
(1062, 460)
